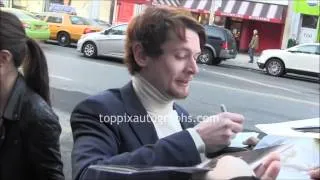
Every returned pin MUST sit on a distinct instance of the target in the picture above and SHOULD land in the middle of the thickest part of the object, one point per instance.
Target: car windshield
(22, 15)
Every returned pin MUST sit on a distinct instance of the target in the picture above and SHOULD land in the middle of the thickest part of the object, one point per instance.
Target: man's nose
(193, 67)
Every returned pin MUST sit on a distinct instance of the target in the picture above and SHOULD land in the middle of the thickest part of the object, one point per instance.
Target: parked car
(220, 45)
(300, 59)
(109, 42)
(66, 28)
(34, 28)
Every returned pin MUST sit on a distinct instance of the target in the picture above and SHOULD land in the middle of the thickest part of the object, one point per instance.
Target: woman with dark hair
(29, 129)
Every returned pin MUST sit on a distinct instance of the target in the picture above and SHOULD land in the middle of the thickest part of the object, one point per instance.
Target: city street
(259, 97)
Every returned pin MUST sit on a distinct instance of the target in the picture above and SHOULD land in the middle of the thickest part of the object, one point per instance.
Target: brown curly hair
(151, 30)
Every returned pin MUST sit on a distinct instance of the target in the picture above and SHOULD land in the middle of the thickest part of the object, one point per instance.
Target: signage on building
(307, 35)
(310, 7)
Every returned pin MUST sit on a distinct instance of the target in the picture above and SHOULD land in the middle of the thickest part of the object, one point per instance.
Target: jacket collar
(144, 128)
(13, 108)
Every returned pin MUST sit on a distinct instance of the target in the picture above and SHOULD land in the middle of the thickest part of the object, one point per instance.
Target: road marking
(259, 93)
(254, 82)
(60, 77)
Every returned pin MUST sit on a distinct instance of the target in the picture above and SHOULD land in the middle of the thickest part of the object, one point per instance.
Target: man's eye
(181, 55)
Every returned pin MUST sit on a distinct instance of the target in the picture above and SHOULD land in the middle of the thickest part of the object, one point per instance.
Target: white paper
(285, 128)
(301, 157)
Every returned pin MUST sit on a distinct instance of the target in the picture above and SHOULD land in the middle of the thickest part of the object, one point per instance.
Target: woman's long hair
(25, 52)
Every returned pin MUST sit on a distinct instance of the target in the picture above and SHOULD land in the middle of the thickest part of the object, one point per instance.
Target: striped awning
(197, 4)
(174, 3)
(252, 10)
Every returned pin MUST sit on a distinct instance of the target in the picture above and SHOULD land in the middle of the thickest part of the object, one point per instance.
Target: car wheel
(206, 56)
(64, 39)
(275, 67)
(89, 49)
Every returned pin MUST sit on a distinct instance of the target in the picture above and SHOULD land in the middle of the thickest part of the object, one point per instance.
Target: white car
(301, 59)
(109, 42)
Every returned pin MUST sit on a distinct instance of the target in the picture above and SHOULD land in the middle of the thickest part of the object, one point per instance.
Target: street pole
(112, 6)
(287, 27)
(212, 11)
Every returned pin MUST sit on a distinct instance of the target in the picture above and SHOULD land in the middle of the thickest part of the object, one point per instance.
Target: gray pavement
(242, 61)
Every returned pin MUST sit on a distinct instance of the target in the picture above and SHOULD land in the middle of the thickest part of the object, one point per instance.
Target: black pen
(223, 108)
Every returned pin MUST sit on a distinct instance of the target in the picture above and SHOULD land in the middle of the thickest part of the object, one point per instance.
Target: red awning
(252, 10)
(174, 3)
(197, 5)
(137, 1)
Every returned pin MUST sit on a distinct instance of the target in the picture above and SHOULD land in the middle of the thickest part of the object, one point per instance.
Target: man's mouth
(184, 82)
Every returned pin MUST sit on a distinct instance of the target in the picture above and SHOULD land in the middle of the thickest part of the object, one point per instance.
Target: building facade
(243, 16)
(126, 9)
(305, 21)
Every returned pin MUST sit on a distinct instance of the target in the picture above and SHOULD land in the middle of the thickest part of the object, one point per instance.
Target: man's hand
(218, 130)
(270, 168)
(315, 173)
(229, 167)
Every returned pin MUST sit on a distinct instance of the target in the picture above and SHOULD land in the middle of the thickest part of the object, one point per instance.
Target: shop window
(19, 4)
(219, 20)
(309, 21)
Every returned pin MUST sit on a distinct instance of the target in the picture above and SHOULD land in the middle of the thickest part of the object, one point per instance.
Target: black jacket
(29, 141)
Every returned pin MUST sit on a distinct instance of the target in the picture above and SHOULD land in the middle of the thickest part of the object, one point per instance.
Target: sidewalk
(241, 61)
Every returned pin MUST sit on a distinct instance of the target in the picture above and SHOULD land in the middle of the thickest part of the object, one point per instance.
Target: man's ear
(139, 55)
(5, 57)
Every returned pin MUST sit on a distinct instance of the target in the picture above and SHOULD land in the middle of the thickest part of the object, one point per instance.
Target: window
(309, 49)
(119, 30)
(41, 17)
(76, 20)
(318, 50)
(215, 33)
(54, 19)
(309, 21)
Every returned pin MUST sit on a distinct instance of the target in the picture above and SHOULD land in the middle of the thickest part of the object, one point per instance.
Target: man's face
(172, 72)
(255, 32)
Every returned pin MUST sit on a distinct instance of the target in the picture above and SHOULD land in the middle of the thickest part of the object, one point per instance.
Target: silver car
(109, 42)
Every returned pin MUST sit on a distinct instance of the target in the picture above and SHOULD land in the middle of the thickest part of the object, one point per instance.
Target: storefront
(200, 10)
(127, 9)
(309, 21)
(242, 17)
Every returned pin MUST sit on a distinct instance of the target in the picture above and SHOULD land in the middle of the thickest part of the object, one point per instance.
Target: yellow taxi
(67, 28)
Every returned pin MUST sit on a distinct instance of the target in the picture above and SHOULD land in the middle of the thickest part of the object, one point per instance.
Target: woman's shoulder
(36, 109)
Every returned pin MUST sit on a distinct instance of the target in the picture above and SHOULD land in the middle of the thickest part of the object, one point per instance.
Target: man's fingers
(270, 158)
(272, 171)
(235, 127)
(233, 116)
(315, 173)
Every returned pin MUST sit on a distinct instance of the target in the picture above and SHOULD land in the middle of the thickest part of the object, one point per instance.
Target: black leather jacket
(29, 137)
